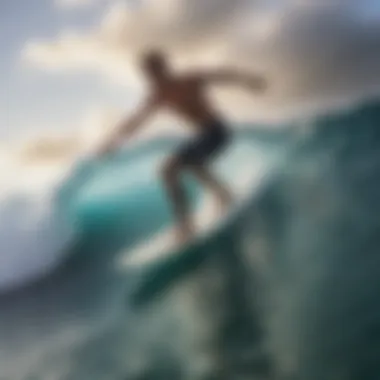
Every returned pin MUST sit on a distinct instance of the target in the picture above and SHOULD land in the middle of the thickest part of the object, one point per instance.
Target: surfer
(184, 95)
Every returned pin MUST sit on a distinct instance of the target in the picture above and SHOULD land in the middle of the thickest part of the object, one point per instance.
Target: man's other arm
(251, 81)
(129, 126)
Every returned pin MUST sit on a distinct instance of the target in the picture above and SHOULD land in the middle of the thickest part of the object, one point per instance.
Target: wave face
(316, 227)
(35, 232)
(58, 326)
(289, 289)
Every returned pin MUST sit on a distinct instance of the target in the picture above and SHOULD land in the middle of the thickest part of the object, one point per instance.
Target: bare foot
(224, 202)
(183, 235)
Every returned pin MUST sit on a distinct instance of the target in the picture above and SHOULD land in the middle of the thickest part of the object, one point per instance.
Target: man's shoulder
(191, 78)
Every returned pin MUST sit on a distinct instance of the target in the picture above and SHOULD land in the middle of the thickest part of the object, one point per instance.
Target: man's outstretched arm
(128, 127)
(229, 76)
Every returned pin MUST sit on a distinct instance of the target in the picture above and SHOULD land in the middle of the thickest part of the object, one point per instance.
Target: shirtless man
(185, 96)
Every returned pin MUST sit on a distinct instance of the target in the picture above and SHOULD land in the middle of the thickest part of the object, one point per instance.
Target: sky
(33, 99)
(70, 64)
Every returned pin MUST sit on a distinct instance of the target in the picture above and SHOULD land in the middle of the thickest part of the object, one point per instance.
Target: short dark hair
(153, 59)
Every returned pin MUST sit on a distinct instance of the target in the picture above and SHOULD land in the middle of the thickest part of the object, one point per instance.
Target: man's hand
(128, 127)
(107, 148)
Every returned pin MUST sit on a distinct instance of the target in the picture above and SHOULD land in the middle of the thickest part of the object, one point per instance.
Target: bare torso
(186, 97)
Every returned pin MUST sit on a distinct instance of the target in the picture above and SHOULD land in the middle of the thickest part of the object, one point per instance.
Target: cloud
(178, 25)
(62, 147)
(52, 146)
(72, 3)
(48, 149)
(75, 4)
(313, 51)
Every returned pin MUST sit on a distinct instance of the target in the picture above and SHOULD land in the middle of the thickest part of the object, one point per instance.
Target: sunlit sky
(34, 97)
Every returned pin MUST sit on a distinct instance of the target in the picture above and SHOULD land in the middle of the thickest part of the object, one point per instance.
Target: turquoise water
(288, 290)
(78, 321)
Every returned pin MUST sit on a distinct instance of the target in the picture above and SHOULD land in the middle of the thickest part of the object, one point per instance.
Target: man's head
(154, 65)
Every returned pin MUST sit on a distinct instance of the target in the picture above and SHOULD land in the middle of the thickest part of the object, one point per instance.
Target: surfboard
(207, 219)
(162, 261)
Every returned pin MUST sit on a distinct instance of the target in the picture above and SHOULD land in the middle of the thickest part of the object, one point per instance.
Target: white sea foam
(34, 233)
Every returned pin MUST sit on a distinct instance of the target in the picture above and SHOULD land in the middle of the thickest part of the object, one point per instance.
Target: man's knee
(171, 171)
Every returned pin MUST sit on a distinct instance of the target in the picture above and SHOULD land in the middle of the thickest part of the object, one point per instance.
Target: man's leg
(178, 197)
(216, 186)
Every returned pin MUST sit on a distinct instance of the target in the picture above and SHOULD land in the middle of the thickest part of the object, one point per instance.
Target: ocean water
(288, 289)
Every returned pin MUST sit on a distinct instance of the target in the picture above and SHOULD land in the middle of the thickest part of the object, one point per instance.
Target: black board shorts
(205, 146)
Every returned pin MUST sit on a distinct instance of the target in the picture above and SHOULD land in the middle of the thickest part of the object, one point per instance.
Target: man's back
(186, 97)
